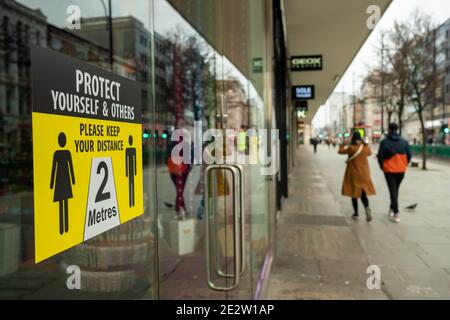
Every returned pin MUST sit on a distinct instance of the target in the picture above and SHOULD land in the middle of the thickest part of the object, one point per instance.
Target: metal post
(354, 101)
(110, 27)
(434, 86)
(382, 85)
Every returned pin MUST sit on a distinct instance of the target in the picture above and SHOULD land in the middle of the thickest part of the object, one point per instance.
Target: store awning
(334, 29)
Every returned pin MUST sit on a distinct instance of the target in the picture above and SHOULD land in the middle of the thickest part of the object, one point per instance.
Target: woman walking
(357, 182)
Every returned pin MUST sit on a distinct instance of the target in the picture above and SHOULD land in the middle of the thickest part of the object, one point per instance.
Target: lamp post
(382, 85)
(108, 14)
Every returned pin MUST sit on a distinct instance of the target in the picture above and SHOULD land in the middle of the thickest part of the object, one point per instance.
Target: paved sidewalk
(318, 256)
(323, 254)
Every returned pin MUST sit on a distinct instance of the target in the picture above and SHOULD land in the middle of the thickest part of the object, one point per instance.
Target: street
(330, 258)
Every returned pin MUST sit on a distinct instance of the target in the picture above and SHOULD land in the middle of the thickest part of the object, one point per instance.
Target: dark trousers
(364, 200)
(394, 180)
(179, 180)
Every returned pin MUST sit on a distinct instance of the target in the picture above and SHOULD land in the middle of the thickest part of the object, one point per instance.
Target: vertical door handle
(239, 195)
(236, 231)
(242, 215)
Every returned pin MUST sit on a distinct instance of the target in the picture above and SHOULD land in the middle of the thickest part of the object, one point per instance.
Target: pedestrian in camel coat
(357, 182)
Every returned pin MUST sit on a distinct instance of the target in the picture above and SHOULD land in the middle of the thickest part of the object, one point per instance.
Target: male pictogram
(131, 169)
(62, 178)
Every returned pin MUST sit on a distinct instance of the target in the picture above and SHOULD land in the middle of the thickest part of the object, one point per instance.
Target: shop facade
(194, 62)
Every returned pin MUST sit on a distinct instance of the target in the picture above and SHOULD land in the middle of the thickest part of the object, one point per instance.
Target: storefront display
(100, 99)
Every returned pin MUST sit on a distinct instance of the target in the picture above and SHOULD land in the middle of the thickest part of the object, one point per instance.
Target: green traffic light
(164, 136)
(145, 135)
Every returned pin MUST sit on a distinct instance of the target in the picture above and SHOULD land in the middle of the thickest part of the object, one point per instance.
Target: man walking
(314, 142)
(394, 156)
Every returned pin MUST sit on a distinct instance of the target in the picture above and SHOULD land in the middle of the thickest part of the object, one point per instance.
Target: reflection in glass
(118, 263)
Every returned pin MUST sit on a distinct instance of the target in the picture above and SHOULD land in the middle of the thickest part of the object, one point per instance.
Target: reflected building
(236, 103)
(131, 48)
(21, 27)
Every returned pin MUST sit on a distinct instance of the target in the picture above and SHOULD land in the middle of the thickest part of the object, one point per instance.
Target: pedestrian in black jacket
(394, 156)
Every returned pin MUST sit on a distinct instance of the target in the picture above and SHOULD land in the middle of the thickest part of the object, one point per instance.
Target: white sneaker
(396, 218)
(391, 213)
(368, 215)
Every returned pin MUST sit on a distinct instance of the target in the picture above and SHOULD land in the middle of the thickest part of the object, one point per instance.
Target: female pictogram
(62, 180)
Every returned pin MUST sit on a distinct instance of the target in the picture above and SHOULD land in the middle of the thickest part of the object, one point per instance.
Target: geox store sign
(307, 63)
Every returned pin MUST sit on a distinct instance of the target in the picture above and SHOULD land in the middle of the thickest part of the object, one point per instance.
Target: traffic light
(447, 130)
(146, 134)
(165, 134)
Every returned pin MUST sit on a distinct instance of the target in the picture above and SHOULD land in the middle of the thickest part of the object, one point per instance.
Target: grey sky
(400, 10)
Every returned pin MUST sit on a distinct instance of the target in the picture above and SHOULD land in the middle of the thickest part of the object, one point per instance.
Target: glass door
(187, 103)
(209, 108)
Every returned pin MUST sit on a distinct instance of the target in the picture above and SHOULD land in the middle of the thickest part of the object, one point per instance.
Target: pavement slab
(323, 254)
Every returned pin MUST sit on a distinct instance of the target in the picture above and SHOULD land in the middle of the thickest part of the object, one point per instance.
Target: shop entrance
(200, 67)
(212, 217)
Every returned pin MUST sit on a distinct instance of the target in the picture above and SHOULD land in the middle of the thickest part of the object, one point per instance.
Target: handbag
(357, 153)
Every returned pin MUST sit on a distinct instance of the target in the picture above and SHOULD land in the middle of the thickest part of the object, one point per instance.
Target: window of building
(19, 32)
(7, 61)
(38, 37)
(21, 101)
(27, 34)
(144, 59)
(28, 95)
(9, 100)
(143, 40)
(5, 26)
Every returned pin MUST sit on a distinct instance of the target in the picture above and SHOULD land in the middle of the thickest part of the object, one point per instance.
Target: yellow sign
(87, 149)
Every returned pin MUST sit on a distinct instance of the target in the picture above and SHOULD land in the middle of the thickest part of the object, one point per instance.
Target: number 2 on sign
(101, 195)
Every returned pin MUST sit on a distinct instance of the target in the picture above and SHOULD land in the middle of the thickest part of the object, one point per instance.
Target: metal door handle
(242, 215)
(240, 173)
(236, 232)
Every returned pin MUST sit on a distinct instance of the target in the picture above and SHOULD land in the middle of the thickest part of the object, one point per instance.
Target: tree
(393, 74)
(410, 75)
(418, 45)
(398, 70)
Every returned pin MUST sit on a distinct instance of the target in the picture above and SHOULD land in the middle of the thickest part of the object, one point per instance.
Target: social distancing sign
(87, 150)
